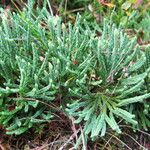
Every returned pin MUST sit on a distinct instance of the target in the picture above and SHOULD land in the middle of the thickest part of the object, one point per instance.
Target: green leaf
(98, 125)
(17, 131)
(133, 100)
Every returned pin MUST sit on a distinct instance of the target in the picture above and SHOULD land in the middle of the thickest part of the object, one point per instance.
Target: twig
(32, 99)
(119, 140)
(135, 129)
(74, 127)
(68, 141)
(42, 147)
(134, 140)
(107, 143)
(51, 106)
(54, 141)
(75, 10)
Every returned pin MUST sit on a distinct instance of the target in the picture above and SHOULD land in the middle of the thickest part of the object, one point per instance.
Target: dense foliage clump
(99, 77)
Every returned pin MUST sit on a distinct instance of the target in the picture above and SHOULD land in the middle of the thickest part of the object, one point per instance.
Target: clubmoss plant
(96, 77)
